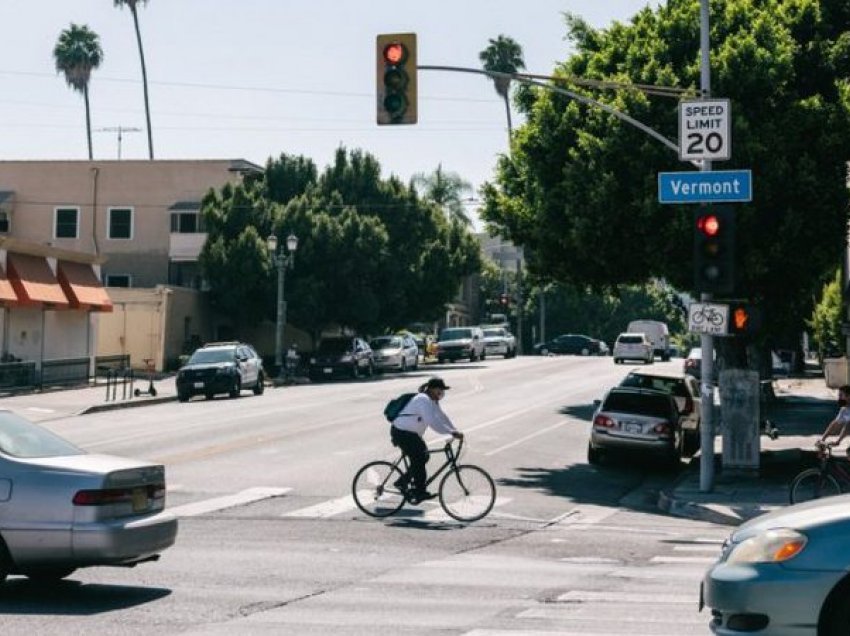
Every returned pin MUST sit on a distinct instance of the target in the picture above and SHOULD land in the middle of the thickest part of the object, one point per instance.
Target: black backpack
(396, 406)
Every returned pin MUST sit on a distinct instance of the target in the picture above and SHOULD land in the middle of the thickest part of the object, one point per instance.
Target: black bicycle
(467, 493)
(831, 477)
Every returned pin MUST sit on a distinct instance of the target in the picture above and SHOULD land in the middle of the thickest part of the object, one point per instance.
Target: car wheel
(594, 455)
(5, 561)
(209, 396)
(544, 351)
(616, 360)
(48, 575)
(690, 443)
(403, 367)
(835, 615)
(261, 384)
(441, 360)
(585, 352)
(182, 396)
(370, 370)
(236, 389)
(483, 355)
(355, 371)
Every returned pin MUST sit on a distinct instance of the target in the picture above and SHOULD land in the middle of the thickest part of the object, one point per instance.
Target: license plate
(199, 385)
(140, 499)
(327, 370)
(632, 428)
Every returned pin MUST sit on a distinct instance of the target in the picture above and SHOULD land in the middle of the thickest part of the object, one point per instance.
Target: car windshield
(455, 334)
(211, 356)
(388, 342)
(639, 403)
(22, 438)
(631, 340)
(335, 345)
(673, 386)
(490, 333)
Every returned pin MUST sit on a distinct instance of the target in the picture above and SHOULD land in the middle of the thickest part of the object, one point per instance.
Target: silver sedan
(784, 573)
(62, 508)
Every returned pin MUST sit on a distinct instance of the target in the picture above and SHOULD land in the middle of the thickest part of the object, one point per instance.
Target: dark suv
(221, 367)
(341, 356)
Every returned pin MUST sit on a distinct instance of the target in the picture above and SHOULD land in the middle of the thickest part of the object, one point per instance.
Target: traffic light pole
(706, 464)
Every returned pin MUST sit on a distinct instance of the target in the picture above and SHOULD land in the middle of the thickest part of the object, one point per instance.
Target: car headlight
(772, 546)
(346, 358)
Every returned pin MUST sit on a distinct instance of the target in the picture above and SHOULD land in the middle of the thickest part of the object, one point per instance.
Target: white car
(498, 341)
(395, 353)
(633, 346)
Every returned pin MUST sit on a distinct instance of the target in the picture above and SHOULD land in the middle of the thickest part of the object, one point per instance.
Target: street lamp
(281, 260)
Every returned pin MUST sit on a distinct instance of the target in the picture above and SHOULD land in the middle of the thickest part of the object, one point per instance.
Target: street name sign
(719, 186)
(708, 318)
(704, 130)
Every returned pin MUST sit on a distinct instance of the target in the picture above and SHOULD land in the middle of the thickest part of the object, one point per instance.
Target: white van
(657, 334)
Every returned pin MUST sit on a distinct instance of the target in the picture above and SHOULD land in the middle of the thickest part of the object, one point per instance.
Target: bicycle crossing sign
(708, 318)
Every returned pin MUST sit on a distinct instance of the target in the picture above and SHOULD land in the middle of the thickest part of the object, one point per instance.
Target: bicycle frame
(833, 466)
(451, 460)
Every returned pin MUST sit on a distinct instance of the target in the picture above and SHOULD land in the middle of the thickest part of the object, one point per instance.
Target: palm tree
(77, 53)
(133, 4)
(446, 190)
(503, 55)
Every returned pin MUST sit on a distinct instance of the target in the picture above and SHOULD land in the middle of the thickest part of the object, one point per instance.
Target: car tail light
(663, 428)
(603, 421)
(107, 496)
(689, 406)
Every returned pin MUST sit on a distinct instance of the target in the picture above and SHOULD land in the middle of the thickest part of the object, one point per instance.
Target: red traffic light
(708, 224)
(740, 318)
(395, 53)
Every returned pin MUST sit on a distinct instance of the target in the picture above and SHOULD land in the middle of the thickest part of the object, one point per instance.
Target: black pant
(416, 452)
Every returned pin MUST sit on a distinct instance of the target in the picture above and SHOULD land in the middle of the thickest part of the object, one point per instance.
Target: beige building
(140, 222)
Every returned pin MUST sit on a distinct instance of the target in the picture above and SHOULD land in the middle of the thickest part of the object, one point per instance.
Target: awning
(82, 287)
(7, 293)
(33, 281)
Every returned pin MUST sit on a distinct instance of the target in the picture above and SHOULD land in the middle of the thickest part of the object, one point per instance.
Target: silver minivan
(633, 346)
(461, 342)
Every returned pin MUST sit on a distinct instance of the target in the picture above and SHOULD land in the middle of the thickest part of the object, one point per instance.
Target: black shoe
(401, 484)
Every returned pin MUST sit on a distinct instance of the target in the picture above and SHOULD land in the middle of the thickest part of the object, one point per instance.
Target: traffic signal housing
(714, 249)
(396, 78)
(744, 319)
(504, 300)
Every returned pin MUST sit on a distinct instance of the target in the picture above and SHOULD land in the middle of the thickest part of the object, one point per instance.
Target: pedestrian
(840, 425)
(407, 430)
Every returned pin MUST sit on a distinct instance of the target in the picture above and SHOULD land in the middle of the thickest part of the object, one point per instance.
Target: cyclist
(841, 424)
(408, 428)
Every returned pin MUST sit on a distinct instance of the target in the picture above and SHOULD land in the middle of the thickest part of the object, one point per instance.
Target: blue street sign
(727, 186)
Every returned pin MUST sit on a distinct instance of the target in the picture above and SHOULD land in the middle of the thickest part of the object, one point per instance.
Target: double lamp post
(281, 259)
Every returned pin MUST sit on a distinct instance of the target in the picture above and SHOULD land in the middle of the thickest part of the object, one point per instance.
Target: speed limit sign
(704, 130)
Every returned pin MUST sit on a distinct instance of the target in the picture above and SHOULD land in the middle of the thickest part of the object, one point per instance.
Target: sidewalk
(802, 409)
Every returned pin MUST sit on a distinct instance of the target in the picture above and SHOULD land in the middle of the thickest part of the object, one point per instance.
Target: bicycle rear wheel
(467, 493)
(812, 484)
(374, 489)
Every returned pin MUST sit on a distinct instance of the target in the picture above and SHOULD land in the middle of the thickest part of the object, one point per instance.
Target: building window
(5, 222)
(120, 223)
(186, 222)
(66, 222)
(118, 280)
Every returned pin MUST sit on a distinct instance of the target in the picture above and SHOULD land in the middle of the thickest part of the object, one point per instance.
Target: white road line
(324, 509)
(584, 596)
(712, 549)
(683, 559)
(438, 514)
(529, 632)
(526, 438)
(227, 501)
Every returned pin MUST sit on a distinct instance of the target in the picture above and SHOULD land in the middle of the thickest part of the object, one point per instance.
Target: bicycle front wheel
(374, 489)
(467, 493)
(812, 484)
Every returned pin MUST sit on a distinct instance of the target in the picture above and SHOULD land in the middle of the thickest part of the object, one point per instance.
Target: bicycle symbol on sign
(708, 314)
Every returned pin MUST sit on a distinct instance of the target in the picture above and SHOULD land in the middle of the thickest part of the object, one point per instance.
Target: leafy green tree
(826, 319)
(132, 5)
(76, 54)
(579, 188)
(446, 190)
(503, 55)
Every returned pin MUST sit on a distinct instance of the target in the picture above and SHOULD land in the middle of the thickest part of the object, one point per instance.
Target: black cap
(434, 383)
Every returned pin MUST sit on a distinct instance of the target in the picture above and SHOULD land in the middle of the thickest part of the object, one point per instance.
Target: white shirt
(843, 415)
(422, 412)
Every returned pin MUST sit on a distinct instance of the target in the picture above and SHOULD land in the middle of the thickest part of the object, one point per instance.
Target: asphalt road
(270, 542)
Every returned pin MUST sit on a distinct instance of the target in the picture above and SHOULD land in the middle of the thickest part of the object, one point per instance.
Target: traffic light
(714, 249)
(396, 75)
(504, 300)
(744, 319)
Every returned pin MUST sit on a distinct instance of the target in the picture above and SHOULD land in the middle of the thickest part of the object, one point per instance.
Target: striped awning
(81, 286)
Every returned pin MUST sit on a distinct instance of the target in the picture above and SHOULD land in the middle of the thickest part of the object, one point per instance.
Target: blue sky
(254, 78)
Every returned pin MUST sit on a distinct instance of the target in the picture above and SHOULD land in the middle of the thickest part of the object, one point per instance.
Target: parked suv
(461, 342)
(395, 353)
(221, 367)
(633, 346)
(341, 356)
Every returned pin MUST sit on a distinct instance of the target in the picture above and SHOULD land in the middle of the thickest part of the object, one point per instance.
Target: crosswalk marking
(227, 501)
(709, 549)
(324, 509)
(683, 559)
(584, 596)
(551, 612)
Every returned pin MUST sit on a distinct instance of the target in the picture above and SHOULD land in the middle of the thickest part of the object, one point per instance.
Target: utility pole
(120, 130)
(706, 464)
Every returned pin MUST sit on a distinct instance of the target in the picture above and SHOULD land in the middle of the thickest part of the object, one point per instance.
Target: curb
(126, 404)
(713, 513)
